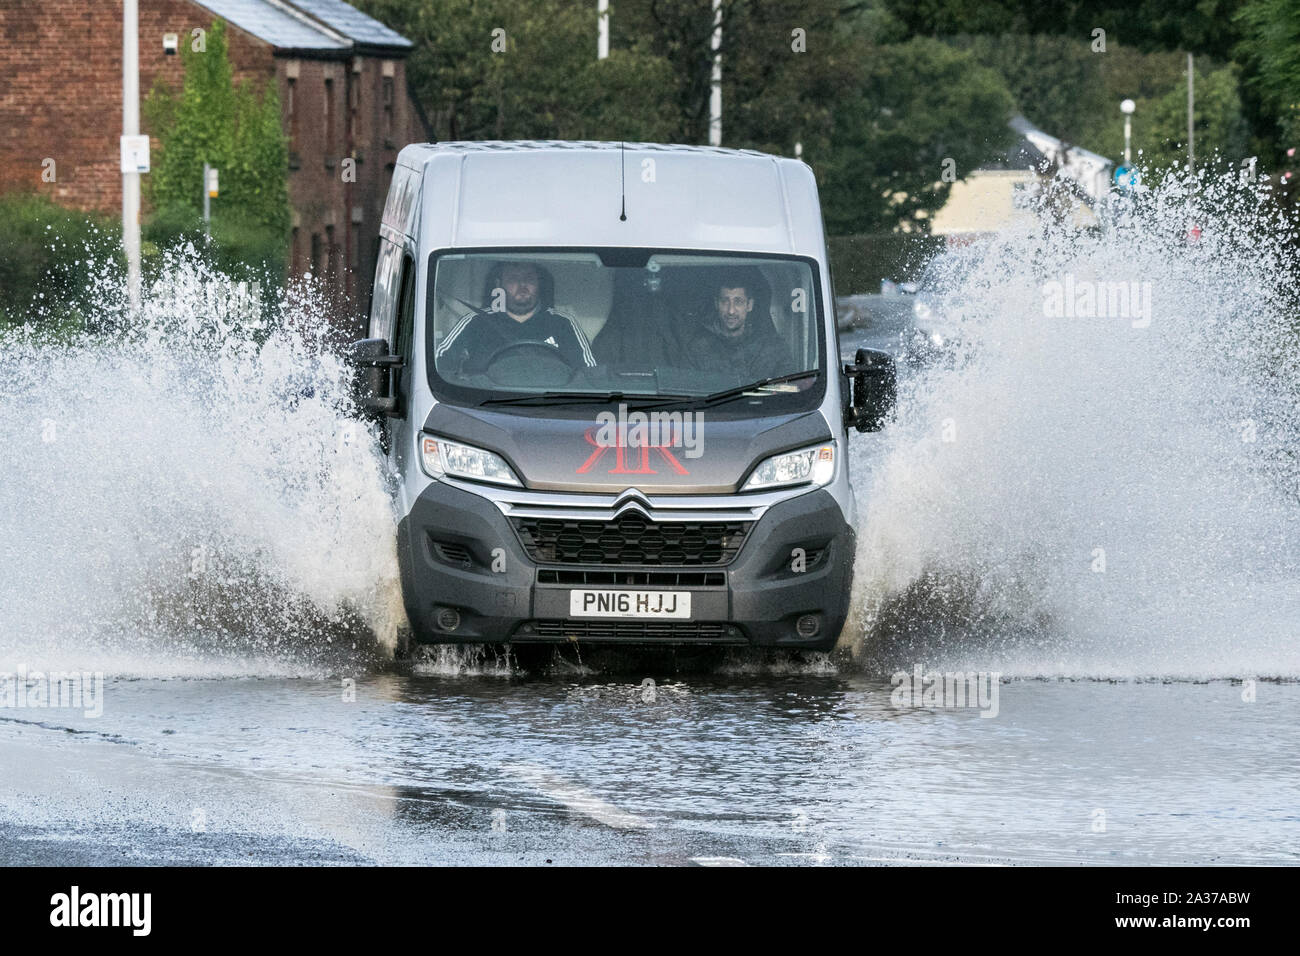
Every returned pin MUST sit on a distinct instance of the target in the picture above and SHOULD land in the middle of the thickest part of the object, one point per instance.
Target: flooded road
(807, 767)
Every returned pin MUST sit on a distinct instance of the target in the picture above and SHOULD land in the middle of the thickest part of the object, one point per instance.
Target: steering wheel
(528, 363)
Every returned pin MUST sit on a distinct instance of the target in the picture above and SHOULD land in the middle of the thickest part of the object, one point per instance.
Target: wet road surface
(809, 767)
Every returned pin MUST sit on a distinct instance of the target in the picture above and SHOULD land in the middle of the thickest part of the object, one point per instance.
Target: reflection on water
(748, 766)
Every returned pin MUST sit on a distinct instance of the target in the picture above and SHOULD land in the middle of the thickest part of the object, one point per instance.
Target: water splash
(1086, 493)
(188, 494)
(1079, 496)
(465, 660)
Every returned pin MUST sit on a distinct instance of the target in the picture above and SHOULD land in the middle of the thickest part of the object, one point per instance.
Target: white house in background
(1000, 195)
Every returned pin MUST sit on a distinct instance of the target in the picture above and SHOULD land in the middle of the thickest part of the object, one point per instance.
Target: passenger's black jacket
(756, 353)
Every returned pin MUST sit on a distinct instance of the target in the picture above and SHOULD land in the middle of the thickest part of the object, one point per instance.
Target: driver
(518, 310)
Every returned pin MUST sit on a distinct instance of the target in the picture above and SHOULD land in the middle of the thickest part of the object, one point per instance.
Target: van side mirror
(874, 381)
(373, 388)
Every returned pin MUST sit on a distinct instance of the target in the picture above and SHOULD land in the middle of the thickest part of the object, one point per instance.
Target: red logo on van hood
(620, 448)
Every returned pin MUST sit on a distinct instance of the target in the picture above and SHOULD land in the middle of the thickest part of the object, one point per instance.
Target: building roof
(352, 23)
(309, 25)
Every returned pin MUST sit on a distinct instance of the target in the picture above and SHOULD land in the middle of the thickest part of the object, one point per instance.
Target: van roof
(537, 193)
(523, 145)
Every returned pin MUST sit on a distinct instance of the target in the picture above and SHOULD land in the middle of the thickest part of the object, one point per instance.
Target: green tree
(1205, 26)
(893, 135)
(237, 130)
(1074, 94)
(654, 85)
(794, 71)
(1262, 37)
(506, 69)
(50, 258)
(785, 64)
(193, 128)
(1271, 48)
(1221, 131)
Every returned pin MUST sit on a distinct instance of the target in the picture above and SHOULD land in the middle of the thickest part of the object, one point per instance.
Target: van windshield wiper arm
(716, 398)
(585, 398)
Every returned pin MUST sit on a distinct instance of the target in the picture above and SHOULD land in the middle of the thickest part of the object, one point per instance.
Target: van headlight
(442, 457)
(815, 465)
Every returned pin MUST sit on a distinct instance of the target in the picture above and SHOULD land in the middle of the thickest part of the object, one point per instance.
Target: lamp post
(715, 80)
(602, 29)
(1191, 106)
(1127, 107)
(130, 132)
(210, 192)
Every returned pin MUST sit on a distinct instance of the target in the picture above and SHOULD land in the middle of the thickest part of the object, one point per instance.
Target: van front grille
(631, 539)
(631, 631)
(656, 579)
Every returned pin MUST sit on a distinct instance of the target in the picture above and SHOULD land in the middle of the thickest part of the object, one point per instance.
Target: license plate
(669, 604)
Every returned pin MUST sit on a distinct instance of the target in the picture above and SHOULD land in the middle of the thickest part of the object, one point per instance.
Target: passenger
(519, 308)
(733, 338)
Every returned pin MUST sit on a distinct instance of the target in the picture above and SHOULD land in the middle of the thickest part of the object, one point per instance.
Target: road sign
(1126, 177)
(135, 154)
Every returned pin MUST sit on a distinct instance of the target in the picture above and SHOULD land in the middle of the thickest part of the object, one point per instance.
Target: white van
(606, 379)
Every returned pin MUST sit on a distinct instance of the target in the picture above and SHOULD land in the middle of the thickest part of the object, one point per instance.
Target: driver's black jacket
(477, 337)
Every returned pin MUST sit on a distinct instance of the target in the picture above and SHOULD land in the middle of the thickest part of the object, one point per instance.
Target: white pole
(1191, 101)
(1128, 133)
(715, 91)
(602, 37)
(131, 127)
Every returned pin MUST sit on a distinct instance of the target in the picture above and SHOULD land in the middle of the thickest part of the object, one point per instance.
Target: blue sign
(1126, 177)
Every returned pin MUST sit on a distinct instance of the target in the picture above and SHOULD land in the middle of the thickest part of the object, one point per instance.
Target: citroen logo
(632, 499)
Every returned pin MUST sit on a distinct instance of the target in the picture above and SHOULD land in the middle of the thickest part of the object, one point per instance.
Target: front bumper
(463, 563)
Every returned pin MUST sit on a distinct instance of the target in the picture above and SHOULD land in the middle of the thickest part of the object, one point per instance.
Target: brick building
(342, 85)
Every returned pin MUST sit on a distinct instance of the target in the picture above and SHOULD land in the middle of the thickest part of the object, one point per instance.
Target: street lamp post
(210, 193)
(715, 80)
(131, 128)
(1191, 104)
(1127, 107)
(602, 29)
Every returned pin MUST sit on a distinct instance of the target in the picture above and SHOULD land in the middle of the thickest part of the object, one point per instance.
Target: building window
(291, 109)
(332, 263)
(388, 106)
(354, 108)
(329, 123)
(359, 264)
(315, 253)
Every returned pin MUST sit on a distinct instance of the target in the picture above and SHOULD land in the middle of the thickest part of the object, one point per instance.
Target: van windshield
(532, 327)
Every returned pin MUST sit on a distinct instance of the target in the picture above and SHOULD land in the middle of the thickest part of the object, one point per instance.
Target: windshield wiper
(716, 398)
(643, 400)
(586, 398)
